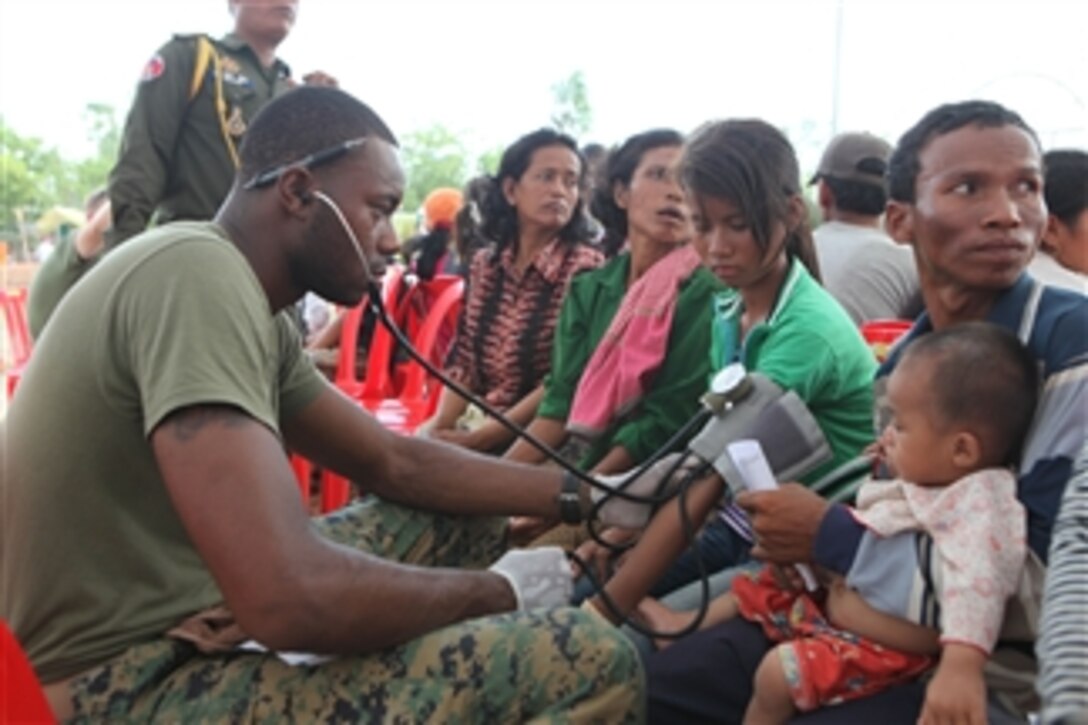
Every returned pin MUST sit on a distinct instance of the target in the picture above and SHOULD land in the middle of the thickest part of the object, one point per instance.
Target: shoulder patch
(153, 69)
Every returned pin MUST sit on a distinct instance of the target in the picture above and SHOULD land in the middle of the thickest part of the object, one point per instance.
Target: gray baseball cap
(860, 157)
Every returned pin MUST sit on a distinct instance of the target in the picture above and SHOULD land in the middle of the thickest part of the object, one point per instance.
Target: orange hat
(440, 207)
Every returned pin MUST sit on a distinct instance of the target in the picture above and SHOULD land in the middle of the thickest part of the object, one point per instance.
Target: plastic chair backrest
(19, 343)
(377, 383)
(348, 349)
(21, 696)
(446, 307)
(421, 295)
(883, 334)
(345, 377)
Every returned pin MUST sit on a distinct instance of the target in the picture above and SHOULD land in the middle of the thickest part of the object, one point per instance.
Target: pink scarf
(622, 368)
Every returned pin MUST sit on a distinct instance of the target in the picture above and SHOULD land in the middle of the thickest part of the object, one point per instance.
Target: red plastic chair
(386, 377)
(883, 334)
(418, 397)
(345, 377)
(335, 490)
(401, 396)
(21, 696)
(303, 470)
(18, 336)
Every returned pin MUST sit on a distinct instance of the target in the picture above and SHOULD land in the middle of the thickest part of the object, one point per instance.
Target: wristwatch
(729, 386)
(570, 499)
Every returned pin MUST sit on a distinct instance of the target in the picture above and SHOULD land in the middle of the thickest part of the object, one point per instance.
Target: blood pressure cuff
(790, 436)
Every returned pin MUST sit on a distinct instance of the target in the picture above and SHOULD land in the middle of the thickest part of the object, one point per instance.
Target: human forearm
(549, 431)
(848, 611)
(449, 479)
(90, 239)
(661, 544)
(288, 586)
(335, 432)
(349, 602)
(450, 407)
(957, 692)
(492, 434)
(616, 460)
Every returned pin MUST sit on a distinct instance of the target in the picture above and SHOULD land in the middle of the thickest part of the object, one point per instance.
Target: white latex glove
(540, 578)
(633, 514)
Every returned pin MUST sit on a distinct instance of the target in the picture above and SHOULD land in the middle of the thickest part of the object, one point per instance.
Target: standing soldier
(195, 99)
(179, 151)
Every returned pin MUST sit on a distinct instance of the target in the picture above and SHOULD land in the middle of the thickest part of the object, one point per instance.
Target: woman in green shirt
(642, 208)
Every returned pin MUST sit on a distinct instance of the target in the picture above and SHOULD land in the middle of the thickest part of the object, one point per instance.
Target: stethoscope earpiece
(335, 209)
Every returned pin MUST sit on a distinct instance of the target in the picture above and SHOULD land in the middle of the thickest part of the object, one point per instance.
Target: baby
(961, 402)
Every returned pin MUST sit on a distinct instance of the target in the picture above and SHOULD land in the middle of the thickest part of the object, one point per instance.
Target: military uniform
(557, 666)
(177, 152)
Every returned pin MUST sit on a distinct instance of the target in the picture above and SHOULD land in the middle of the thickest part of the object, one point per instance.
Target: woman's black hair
(432, 248)
(500, 218)
(619, 168)
(468, 224)
(752, 164)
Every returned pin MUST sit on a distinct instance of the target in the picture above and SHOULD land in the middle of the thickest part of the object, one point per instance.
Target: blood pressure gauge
(729, 386)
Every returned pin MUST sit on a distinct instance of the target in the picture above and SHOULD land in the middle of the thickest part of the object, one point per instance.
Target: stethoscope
(728, 387)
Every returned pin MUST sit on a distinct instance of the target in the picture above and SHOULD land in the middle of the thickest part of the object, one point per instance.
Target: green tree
(34, 177)
(488, 161)
(432, 157)
(571, 111)
(105, 132)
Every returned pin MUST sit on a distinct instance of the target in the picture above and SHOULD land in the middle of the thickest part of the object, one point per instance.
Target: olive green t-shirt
(93, 557)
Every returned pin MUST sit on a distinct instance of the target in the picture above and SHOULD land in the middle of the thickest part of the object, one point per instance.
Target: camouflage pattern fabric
(556, 666)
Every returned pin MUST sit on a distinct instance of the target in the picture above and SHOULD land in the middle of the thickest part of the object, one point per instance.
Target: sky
(485, 68)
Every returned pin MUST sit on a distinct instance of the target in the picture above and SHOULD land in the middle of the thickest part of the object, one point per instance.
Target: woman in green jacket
(631, 351)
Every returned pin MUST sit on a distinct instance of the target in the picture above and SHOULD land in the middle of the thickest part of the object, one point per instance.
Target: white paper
(756, 475)
(752, 465)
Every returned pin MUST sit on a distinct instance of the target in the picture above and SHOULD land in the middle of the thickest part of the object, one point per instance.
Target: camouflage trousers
(558, 666)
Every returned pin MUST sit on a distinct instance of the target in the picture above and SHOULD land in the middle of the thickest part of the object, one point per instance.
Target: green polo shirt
(591, 303)
(807, 344)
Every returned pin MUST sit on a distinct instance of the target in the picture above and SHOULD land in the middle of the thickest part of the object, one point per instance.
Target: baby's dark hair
(985, 379)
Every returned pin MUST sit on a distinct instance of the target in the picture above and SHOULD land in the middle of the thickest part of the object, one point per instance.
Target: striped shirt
(1062, 647)
(504, 339)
